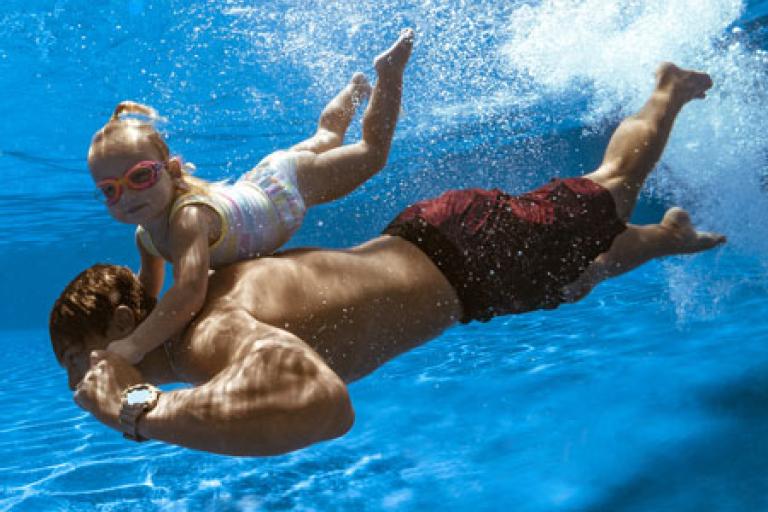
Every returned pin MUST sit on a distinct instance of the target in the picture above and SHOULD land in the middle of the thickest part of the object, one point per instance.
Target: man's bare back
(356, 308)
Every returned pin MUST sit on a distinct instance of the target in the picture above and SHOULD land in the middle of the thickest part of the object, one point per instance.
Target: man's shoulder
(206, 345)
(219, 337)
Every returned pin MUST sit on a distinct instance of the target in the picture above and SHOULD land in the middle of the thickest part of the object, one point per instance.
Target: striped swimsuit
(259, 212)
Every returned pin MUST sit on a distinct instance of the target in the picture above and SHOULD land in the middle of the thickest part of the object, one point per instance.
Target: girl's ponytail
(131, 107)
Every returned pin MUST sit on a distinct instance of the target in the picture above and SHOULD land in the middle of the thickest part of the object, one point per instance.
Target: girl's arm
(189, 231)
(151, 271)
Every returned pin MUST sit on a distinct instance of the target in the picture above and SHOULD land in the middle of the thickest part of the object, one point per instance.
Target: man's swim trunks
(511, 254)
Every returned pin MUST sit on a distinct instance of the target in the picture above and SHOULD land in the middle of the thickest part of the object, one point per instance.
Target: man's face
(75, 358)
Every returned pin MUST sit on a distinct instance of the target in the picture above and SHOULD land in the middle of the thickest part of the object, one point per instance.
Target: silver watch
(136, 401)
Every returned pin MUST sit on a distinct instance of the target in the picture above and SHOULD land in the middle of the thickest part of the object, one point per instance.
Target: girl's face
(136, 202)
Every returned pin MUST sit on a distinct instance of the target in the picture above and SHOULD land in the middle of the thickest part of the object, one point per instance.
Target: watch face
(138, 396)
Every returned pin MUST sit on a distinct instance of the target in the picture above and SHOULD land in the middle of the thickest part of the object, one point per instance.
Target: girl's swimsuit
(505, 254)
(259, 212)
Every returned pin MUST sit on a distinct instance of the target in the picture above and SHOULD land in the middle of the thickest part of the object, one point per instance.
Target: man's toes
(706, 81)
(707, 240)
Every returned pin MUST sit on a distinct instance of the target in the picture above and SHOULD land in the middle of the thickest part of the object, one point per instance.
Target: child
(197, 225)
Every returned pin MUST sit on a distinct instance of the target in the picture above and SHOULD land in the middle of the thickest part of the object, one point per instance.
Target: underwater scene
(651, 394)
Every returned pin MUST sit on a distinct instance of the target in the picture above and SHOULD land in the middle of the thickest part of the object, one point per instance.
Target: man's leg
(336, 172)
(336, 116)
(639, 244)
(638, 142)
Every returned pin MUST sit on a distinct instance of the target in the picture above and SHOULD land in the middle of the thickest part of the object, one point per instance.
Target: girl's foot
(359, 88)
(396, 57)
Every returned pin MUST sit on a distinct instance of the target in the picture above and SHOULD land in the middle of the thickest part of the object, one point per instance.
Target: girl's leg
(639, 244)
(334, 173)
(638, 142)
(336, 116)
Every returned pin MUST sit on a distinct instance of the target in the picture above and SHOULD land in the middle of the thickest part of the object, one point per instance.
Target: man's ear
(123, 322)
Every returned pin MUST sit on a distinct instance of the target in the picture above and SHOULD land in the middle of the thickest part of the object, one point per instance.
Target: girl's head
(131, 164)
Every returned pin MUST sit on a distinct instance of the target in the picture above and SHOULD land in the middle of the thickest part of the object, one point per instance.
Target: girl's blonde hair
(117, 126)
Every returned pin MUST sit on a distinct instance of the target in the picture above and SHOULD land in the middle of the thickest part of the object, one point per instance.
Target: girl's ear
(174, 167)
(176, 172)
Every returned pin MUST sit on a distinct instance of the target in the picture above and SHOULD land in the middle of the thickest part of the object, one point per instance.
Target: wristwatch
(136, 401)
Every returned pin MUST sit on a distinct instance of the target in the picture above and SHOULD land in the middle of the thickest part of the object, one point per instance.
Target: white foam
(714, 163)
(716, 155)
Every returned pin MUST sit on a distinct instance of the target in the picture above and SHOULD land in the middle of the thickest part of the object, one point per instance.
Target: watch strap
(131, 413)
(129, 421)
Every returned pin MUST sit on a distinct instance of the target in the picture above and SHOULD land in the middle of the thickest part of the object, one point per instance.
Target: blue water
(652, 394)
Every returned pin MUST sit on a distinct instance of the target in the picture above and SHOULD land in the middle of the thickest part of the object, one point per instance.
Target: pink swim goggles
(141, 176)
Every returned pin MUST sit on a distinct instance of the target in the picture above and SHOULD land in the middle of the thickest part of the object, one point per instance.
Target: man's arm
(270, 397)
(276, 398)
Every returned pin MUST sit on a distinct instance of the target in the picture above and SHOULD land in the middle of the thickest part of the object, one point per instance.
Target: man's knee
(643, 131)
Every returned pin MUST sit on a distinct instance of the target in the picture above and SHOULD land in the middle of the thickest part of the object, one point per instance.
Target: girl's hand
(101, 389)
(127, 349)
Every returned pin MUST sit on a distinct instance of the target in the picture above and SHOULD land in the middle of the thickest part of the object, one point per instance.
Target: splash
(455, 68)
(612, 46)
(714, 164)
(715, 159)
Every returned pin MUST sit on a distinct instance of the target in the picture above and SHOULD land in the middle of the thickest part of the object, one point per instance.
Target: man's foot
(685, 238)
(396, 57)
(359, 88)
(684, 84)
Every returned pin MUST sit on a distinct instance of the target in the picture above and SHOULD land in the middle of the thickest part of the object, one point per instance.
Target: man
(278, 338)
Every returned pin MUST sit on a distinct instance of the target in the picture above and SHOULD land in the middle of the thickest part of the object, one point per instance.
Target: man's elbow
(341, 413)
(325, 419)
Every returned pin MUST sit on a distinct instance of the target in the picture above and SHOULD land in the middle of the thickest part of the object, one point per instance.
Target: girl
(197, 225)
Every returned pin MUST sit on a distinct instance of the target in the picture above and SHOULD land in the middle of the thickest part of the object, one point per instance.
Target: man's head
(103, 303)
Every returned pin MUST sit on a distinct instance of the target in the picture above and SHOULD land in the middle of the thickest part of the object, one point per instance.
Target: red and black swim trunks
(511, 254)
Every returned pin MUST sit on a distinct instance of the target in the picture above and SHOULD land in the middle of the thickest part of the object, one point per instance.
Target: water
(649, 395)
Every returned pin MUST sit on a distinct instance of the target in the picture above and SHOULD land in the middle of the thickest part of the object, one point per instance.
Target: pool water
(649, 395)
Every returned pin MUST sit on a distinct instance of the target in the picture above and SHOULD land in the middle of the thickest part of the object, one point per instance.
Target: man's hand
(128, 349)
(100, 390)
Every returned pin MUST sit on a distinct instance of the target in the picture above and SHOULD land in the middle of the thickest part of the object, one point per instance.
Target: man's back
(356, 308)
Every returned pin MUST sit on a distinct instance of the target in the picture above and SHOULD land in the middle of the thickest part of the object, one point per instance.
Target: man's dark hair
(88, 302)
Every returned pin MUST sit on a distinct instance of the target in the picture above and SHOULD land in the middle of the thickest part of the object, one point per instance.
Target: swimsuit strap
(205, 200)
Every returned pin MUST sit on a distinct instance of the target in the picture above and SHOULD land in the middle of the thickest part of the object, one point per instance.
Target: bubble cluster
(715, 160)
